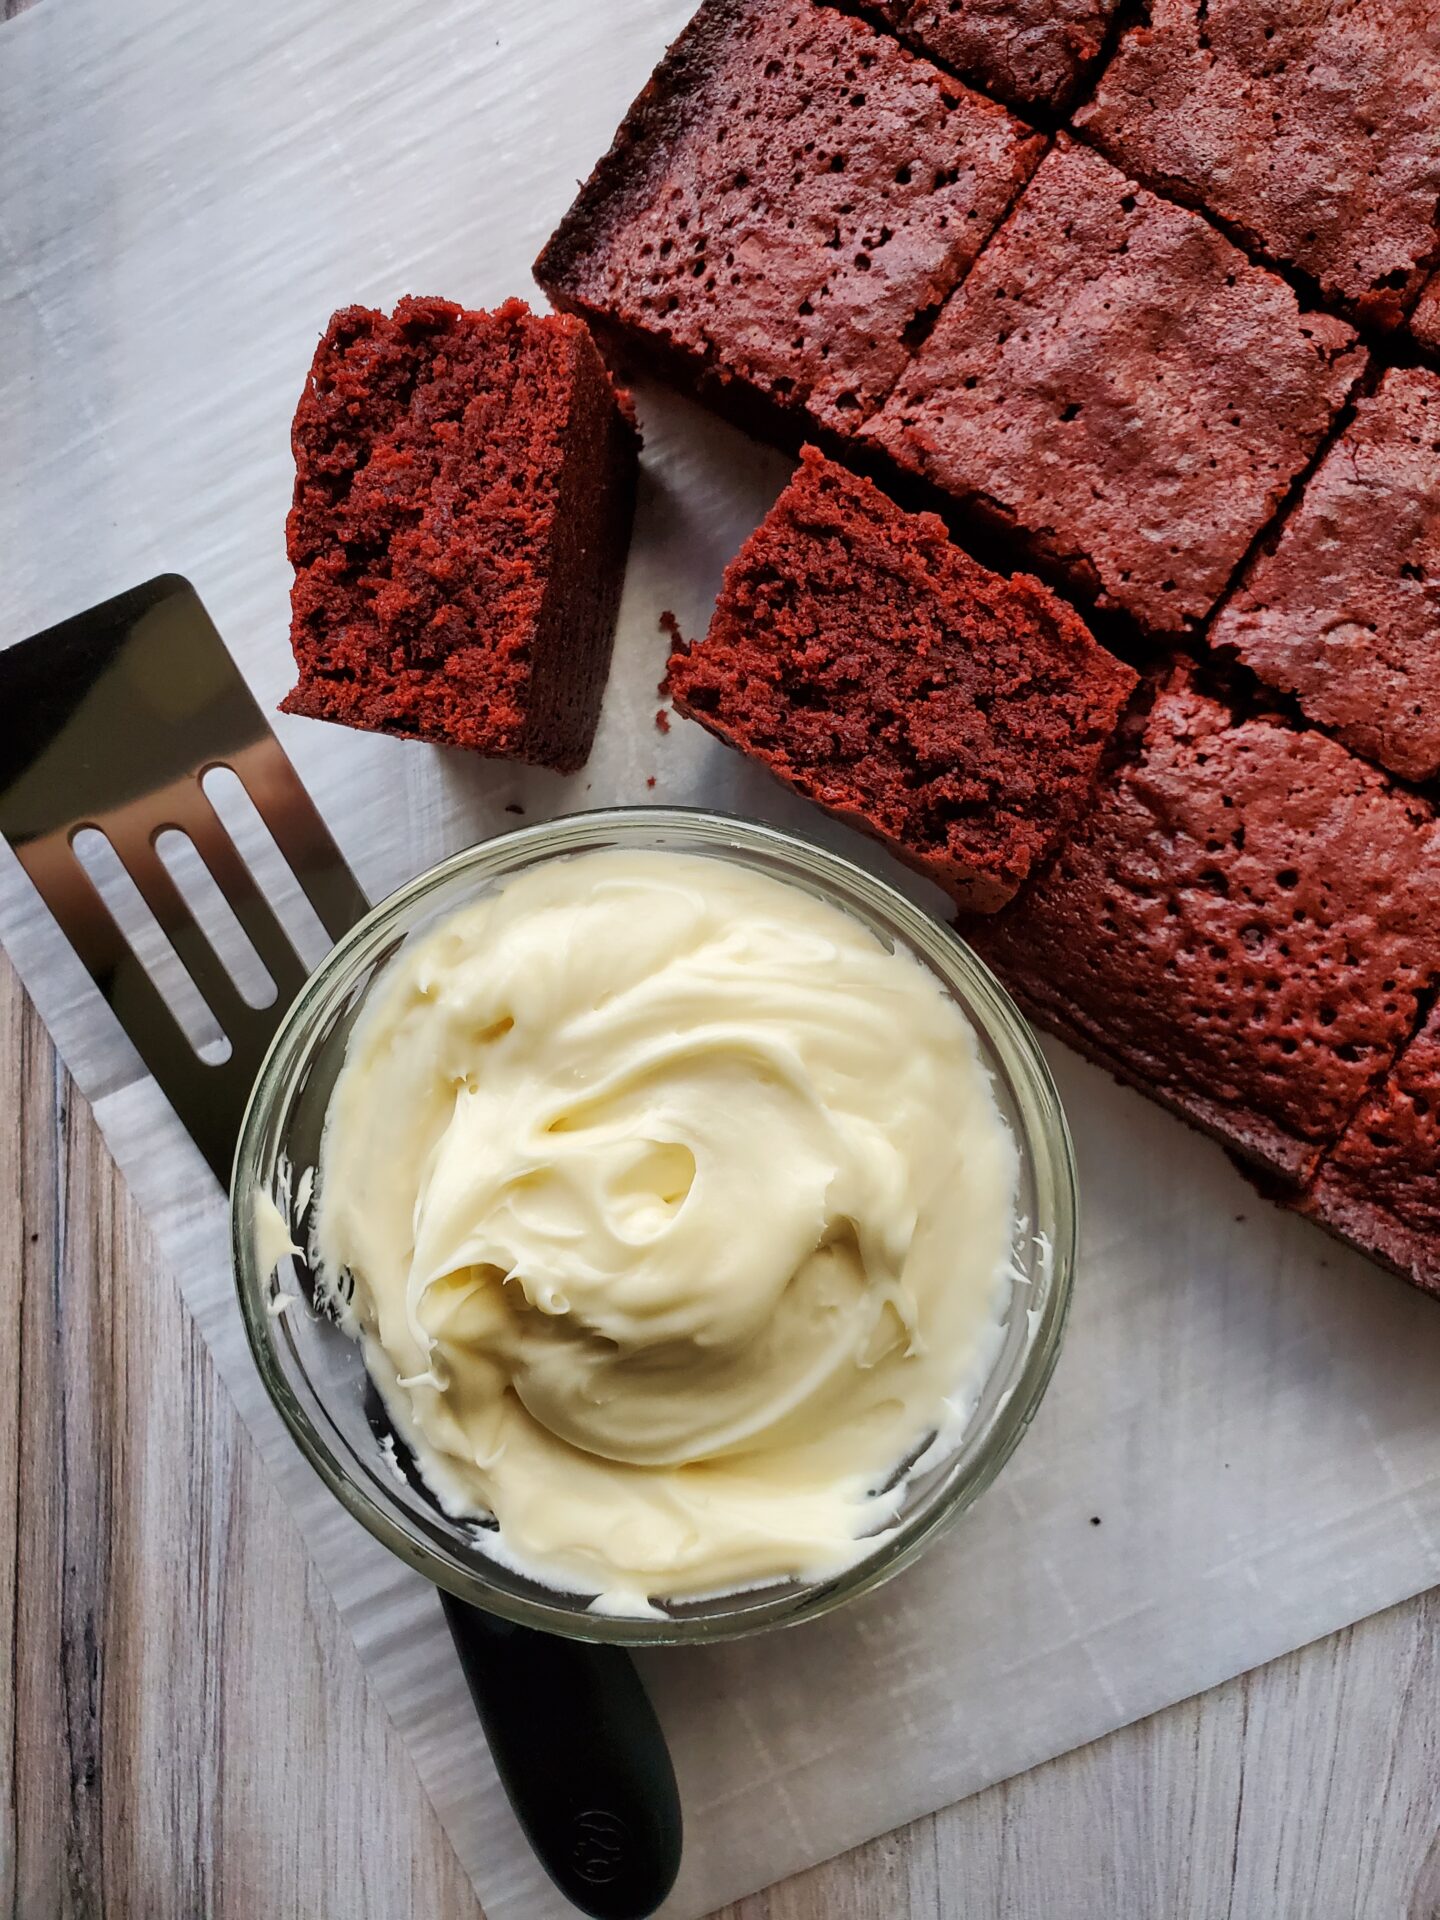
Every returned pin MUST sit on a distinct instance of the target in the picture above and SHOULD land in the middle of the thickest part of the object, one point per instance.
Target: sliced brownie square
(1342, 606)
(1033, 53)
(1118, 388)
(464, 484)
(1379, 1188)
(789, 192)
(1242, 926)
(880, 671)
(1312, 129)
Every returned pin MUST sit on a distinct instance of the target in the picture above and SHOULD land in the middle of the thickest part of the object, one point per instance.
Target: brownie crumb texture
(1033, 53)
(1342, 608)
(1243, 926)
(790, 192)
(1310, 128)
(1425, 322)
(877, 669)
(1380, 1188)
(464, 485)
(1118, 388)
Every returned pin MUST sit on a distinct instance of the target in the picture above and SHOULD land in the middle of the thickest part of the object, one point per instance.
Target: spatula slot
(137, 928)
(215, 917)
(272, 872)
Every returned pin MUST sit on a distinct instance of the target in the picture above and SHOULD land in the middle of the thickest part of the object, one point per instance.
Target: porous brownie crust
(789, 192)
(1118, 387)
(1425, 321)
(464, 484)
(1342, 607)
(1242, 927)
(1380, 1187)
(1033, 53)
(878, 670)
(1311, 127)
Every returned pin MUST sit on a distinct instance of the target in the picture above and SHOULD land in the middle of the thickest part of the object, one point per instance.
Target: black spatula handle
(580, 1752)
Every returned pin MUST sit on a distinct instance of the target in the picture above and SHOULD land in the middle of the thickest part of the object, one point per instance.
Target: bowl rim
(1002, 1031)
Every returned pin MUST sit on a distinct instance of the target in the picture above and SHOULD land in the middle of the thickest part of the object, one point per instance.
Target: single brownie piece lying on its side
(1033, 53)
(1312, 129)
(1342, 607)
(1116, 386)
(1380, 1187)
(785, 198)
(1242, 926)
(464, 485)
(880, 671)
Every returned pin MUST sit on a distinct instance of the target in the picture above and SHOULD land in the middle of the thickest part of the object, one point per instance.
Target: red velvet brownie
(1342, 606)
(1310, 126)
(880, 671)
(790, 191)
(1380, 1186)
(464, 484)
(1242, 926)
(1115, 385)
(1033, 53)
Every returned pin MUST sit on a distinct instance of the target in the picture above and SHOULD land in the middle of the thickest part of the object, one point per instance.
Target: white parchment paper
(186, 193)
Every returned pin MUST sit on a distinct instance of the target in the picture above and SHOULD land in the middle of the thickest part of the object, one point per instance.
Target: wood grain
(188, 1731)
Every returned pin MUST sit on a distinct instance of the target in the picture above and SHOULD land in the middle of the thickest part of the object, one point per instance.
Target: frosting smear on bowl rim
(679, 1212)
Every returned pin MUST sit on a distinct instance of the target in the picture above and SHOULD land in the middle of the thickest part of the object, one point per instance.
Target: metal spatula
(112, 721)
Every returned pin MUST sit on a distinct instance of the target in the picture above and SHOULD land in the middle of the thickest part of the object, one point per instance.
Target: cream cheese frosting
(679, 1212)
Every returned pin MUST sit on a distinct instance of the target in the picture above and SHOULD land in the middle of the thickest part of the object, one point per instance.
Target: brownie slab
(1310, 125)
(1242, 926)
(1116, 386)
(1380, 1186)
(880, 671)
(1033, 53)
(1342, 607)
(464, 485)
(785, 197)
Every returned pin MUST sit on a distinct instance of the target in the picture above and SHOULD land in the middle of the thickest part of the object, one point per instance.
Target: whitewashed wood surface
(187, 1731)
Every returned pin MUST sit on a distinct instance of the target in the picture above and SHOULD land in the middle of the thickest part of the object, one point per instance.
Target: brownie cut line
(1033, 53)
(464, 486)
(1380, 1186)
(1243, 926)
(1342, 607)
(788, 194)
(1310, 128)
(1117, 388)
(877, 669)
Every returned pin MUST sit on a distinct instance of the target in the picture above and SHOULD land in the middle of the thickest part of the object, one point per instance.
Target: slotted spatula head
(111, 721)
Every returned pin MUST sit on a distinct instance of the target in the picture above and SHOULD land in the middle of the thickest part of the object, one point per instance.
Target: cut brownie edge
(1243, 925)
(1034, 54)
(1339, 604)
(1379, 1187)
(575, 628)
(871, 665)
(1308, 129)
(790, 190)
(1140, 487)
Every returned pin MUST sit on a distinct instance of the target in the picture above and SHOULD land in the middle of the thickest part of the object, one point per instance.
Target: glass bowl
(315, 1373)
